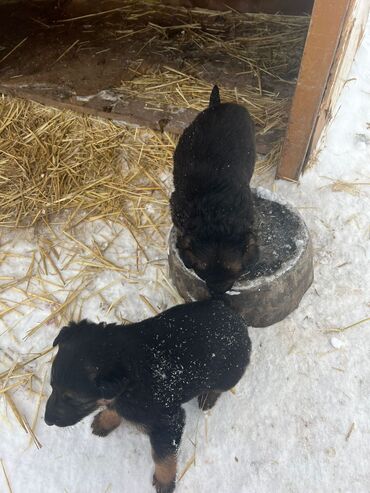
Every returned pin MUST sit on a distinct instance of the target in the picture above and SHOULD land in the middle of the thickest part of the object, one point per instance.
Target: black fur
(147, 370)
(212, 206)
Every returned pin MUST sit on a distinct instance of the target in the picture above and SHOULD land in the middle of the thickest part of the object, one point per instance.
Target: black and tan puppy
(212, 206)
(144, 372)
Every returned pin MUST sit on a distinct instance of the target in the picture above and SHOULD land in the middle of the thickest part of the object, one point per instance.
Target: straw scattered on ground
(351, 187)
(62, 173)
(90, 270)
(266, 43)
(6, 476)
(254, 57)
(169, 87)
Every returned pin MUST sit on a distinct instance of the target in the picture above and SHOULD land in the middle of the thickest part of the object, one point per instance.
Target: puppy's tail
(214, 99)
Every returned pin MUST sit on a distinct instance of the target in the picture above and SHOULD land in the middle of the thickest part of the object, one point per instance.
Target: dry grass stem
(149, 305)
(188, 465)
(6, 477)
(342, 329)
(350, 431)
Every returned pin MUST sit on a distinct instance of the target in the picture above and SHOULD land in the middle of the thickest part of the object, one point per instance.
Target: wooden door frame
(318, 56)
(325, 64)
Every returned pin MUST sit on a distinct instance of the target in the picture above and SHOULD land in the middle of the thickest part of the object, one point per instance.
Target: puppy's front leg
(165, 439)
(105, 422)
(207, 400)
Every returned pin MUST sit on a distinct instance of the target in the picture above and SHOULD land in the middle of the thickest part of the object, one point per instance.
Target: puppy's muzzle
(48, 421)
(49, 417)
(60, 421)
(55, 415)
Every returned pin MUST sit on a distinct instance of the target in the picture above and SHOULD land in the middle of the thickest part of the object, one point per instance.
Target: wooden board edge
(321, 46)
(353, 33)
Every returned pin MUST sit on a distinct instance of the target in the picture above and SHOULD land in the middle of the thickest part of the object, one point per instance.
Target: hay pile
(53, 160)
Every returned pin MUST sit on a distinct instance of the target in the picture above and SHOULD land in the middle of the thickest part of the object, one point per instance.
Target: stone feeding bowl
(273, 287)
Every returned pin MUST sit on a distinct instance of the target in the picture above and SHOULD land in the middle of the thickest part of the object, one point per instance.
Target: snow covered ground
(299, 420)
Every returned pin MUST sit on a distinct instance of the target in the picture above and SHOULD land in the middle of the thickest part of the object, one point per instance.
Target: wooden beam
(127, 112)
(288, 7)
(320, 49)
(352, 34)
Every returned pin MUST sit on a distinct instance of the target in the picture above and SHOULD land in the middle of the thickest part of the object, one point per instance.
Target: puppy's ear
(251, 251)
(112, 383)
(65, 334)
(184, 247)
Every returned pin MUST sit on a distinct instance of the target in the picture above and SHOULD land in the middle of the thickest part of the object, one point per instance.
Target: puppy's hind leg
(208, 399)
(165, 440)
(105, 422)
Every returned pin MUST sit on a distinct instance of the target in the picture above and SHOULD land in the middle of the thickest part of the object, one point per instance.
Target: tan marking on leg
(105, 422)
(165, 470)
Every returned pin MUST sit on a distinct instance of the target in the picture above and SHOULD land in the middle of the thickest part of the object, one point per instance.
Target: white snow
(336, 343)
(233, 293)
(299, 419)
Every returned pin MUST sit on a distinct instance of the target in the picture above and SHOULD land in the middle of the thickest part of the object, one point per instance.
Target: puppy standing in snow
(212, 206)
(144, 372)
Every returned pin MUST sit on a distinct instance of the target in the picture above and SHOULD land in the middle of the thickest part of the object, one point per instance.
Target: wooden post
(352, 34)
(321, 45)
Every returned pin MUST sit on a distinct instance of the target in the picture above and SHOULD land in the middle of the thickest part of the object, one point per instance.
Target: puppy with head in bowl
(212, 205)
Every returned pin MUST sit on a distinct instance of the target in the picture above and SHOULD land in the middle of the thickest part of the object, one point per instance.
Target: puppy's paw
(105, 422)
(164, 488)
(97, 428)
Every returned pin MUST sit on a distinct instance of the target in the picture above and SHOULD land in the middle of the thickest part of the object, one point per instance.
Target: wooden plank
(109, 104)
(105, 104)
(321, 45)
(353, 31)
(289, 7)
